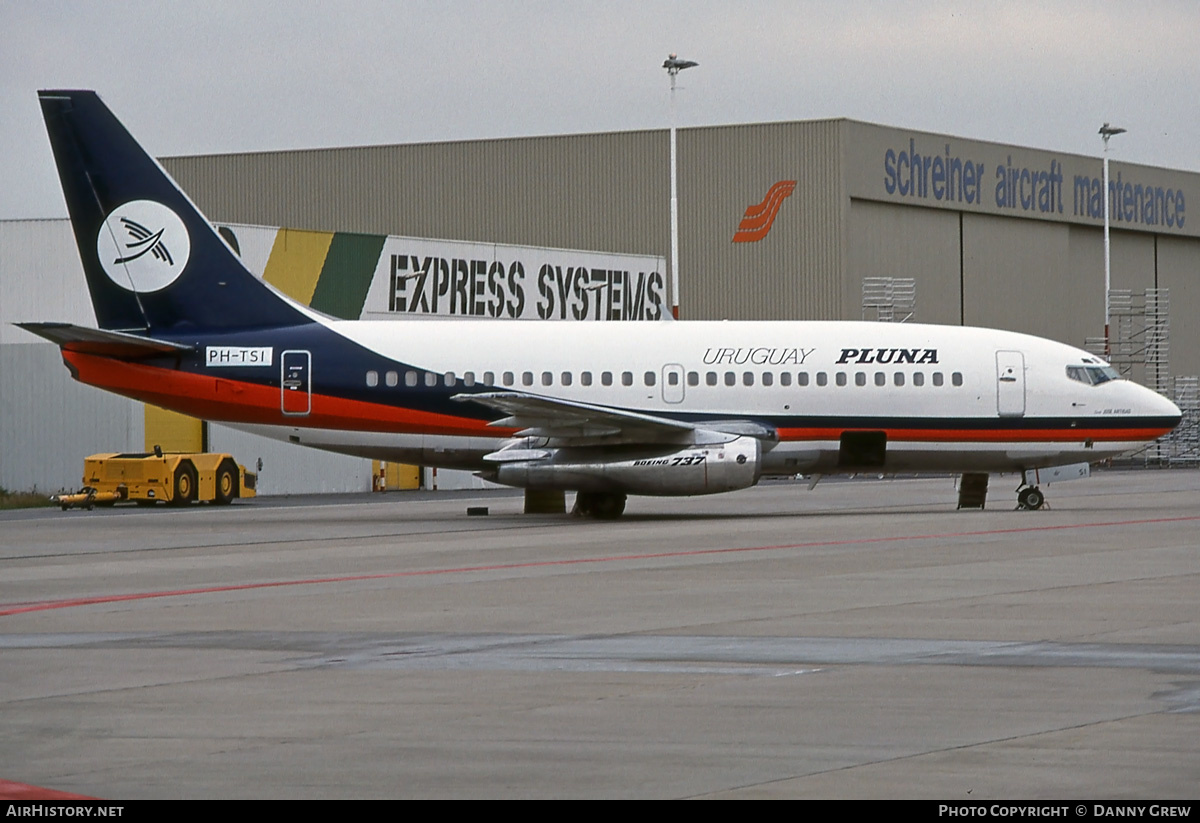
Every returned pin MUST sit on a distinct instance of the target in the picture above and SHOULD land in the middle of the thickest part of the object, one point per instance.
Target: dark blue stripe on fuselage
(339, 368)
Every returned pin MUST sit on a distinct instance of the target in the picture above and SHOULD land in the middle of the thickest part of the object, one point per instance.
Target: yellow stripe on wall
(295, 262)
(399, 475)
(173, 431)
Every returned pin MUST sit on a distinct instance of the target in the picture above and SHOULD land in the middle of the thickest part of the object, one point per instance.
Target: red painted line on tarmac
(23, 791)
(49, 605)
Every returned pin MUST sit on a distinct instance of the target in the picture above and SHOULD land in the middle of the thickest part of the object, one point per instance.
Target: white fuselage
(949, 398)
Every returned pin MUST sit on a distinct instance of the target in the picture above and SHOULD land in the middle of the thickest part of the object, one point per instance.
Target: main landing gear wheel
(1031, 498)
(599, 505)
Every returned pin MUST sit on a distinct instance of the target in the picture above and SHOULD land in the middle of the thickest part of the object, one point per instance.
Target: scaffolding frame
(886, 298)
(1182, 446)
(1139, 336)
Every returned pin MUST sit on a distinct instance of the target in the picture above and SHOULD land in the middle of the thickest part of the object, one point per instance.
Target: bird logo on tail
(143, 246)
(144, 241)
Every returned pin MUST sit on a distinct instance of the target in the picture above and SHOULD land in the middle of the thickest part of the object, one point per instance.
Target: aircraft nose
(1159, 406)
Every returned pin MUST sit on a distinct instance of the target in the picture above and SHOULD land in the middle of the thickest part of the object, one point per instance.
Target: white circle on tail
(143, 246)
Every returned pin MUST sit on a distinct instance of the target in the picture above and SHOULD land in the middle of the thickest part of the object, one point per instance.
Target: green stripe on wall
(346, 276)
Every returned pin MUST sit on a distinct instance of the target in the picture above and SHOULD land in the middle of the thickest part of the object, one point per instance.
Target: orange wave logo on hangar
(759, 217)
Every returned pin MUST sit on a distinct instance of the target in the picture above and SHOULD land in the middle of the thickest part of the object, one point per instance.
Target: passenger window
(526, 378)
(585, 378)
(448, 378)
(768, 378)
(957, 378)
(626, 378)
(860, 378)
(881, 379)
(606, 378)
(841, 378)
(508, 378)
(392, 379)
(730, 379)
(822, 379)
(672, 378)
(547, 378)
(785, 379)
(649, 378)
(489, 379)
(693, 378)
(711, 378)
(937, 378)
(566, 378)
(919, 378)
(802, 379)
(410, 378)
(431, 379)
(748, 378)
(899, 377)
(372, 379)
(469, 378)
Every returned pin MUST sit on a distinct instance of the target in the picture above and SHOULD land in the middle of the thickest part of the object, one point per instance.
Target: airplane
(605, 410)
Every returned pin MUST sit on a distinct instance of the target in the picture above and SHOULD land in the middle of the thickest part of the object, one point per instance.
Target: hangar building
(778, 221)
(993, 235)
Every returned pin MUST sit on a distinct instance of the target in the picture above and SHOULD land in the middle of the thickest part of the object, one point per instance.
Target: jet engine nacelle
(705, 469)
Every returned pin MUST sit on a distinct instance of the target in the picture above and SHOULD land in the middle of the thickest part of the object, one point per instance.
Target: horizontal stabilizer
(106, 343)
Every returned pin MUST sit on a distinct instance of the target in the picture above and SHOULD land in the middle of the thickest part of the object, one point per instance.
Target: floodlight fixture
(674, 64)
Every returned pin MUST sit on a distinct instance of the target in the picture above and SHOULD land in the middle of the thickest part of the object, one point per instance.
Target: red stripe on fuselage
(219, 398)
(236, 401)
(981, 435)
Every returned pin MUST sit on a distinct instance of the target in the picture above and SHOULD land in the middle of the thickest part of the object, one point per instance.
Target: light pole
(1107, 131)
(674, 65)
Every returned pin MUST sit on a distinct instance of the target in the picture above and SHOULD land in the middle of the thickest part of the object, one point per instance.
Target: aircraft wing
(586, 423)
(537, 416)
(98, 341)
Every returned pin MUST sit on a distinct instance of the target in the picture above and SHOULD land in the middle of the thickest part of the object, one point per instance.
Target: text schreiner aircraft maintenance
(613, 409)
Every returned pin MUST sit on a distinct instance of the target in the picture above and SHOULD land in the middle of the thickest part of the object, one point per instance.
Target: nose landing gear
(1030, 498)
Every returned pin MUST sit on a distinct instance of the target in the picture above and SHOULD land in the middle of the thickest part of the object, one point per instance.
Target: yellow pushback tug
(175, 478)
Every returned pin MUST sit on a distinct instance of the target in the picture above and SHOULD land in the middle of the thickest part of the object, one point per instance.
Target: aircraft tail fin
(153, 262)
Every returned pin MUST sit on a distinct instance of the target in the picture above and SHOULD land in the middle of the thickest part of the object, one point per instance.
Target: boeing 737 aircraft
(603, 409)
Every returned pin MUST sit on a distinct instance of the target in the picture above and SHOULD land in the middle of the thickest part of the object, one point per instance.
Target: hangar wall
(531, 191)
(796, 270)
(1026, 227)
(1179, 270)
(607, 192)
(923, 244)
(995, 235)
(49, 422)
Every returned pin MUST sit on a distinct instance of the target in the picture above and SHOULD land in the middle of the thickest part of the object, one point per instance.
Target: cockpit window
(1093, 375)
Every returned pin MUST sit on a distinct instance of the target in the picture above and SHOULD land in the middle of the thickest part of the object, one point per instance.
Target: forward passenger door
(1010, 383)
